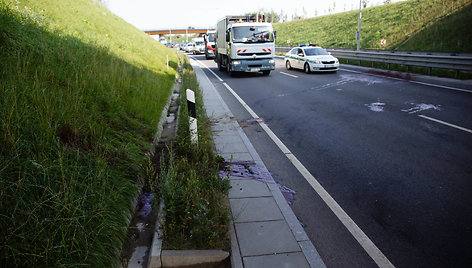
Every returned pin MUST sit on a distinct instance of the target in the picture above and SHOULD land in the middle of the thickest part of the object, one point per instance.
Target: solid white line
(203, 64)
(351, 226)
(289, 74)
(416, 82)
(446, 123)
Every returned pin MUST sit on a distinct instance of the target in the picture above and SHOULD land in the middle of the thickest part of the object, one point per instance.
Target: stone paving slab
(237, 157)
(268, 237)
(284, 260)
(255, 209)
(248, 188)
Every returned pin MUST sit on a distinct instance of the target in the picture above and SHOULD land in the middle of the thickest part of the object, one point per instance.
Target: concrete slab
(255, 209)
(263, 238)
(285, 260)
(231, 138)
(248, 188)
(226, 148)
(237, 157)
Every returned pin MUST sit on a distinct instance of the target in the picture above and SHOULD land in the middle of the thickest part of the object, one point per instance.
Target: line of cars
(201, 45)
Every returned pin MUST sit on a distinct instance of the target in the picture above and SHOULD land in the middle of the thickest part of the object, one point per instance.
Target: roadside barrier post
(192, 116)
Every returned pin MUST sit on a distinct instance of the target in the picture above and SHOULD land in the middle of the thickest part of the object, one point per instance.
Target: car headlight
(318, 62)
(236, 62)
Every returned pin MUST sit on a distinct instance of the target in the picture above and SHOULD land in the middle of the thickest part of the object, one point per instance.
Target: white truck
(245, 44)
(210, 44)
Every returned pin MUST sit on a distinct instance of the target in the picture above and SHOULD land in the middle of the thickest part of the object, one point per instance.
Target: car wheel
(306, 68)
(288, 66)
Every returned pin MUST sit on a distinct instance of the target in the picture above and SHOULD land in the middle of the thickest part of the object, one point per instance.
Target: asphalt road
(371, 142)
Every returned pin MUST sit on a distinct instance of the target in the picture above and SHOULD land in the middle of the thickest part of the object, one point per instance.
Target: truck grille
(250, 54)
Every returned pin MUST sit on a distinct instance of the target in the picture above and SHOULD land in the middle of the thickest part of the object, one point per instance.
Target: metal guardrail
(458, 62)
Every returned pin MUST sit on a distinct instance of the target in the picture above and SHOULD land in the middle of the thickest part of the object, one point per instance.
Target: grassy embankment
(81, 93)
(394, 22)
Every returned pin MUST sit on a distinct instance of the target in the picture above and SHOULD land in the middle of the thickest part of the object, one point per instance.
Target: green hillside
(393, 22)
(450, 34)
(81, 93)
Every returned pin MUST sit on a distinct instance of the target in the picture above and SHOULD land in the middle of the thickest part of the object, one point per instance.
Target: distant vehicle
(245, 44)
(311, 58)
(198, 45)
(182, 46)
(189, 47)
(163, 40)
(209, 44)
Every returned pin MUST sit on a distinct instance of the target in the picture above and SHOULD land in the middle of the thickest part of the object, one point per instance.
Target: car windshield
(211, 37)
(252, 34)
(315, 51)
(199, 43)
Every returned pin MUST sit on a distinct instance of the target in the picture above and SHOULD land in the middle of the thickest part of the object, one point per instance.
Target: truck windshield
(253, 34)
(211, 37)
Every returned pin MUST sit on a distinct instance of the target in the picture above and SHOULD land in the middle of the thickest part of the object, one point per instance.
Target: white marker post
(192, 116)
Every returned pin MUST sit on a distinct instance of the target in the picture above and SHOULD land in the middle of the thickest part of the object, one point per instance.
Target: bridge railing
(458, 62)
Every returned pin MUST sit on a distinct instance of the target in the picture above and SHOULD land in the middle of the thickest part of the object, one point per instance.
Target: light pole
(358, 35)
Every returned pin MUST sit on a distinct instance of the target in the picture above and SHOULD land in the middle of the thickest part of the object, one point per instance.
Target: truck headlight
(236, 62)
(272, 61)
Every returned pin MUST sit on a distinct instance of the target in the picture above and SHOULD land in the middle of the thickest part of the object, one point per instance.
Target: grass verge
(195, 196)
(81, 93)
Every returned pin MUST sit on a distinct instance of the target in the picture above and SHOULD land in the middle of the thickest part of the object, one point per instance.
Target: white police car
(311, 58)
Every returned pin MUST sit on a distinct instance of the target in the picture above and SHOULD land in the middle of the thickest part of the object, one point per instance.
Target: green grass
(81, 93)
(195, 196)
(450, 34)
(394, 22)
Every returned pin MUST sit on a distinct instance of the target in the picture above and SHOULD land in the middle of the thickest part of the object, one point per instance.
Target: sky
(179, 14)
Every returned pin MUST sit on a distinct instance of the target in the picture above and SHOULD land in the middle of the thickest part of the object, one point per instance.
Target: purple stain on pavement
(144, 205)
(251, 170)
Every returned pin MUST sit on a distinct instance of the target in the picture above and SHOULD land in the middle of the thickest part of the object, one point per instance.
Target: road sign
(383, 42)
(288, 41)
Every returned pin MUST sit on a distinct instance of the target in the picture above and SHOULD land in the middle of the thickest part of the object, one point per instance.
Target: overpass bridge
(178, 31)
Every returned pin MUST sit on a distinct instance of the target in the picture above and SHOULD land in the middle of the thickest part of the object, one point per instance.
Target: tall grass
(81, 93)
(393, 22)
(195, 197)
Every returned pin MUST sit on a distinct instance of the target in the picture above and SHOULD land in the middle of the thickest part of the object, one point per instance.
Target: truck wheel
(228, 68)
(266, 72)
(288, 66)
(218, 61)
(306, 68)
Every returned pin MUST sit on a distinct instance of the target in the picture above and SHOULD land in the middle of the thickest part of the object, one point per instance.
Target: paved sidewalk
(264, 231)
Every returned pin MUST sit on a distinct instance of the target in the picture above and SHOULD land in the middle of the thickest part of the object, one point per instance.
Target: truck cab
(245, 44)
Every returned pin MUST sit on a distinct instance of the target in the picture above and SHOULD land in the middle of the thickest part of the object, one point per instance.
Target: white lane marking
(371, 249)
(291, 75)
(203, 64)
(445, 123)
(404, 80)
